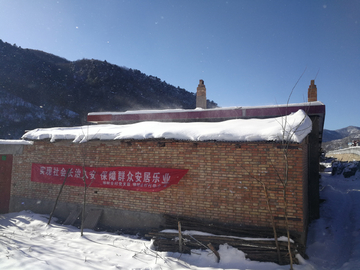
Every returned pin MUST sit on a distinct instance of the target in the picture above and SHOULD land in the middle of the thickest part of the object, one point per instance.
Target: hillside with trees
(339, 139)
(39, 89)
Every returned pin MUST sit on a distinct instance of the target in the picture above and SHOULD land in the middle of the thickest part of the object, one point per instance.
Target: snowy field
(27, 242)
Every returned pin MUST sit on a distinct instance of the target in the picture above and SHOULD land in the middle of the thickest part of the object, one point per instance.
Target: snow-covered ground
(334, 239)
(27, 242)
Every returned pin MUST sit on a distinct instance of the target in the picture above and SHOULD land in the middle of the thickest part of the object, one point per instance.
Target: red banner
(130, 178)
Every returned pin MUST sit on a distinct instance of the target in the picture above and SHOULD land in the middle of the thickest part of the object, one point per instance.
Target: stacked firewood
(257, 248)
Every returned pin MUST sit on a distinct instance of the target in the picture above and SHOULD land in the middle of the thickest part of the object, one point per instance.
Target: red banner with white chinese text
(131, 178)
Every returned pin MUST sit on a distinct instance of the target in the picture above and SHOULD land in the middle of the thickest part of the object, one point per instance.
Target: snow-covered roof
(19, 142)
(294, 127)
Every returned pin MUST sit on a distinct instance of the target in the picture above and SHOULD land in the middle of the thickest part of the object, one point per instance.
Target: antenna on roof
(317, 74)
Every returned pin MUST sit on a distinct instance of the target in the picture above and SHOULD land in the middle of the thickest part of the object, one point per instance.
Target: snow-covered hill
(338, 139)
(58, 86)
(331, 135)
(18, 115)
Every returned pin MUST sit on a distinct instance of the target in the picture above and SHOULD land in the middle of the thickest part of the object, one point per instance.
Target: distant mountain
(338, 139)
(38, 89)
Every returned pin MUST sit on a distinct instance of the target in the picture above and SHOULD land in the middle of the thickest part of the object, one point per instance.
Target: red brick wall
(221, 183)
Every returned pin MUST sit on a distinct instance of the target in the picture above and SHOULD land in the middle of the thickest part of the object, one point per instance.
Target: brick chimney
(312, 92)
(201, 95)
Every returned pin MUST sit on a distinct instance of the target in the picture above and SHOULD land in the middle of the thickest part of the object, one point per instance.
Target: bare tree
(288, 134)
(266, 193)
(282, 174)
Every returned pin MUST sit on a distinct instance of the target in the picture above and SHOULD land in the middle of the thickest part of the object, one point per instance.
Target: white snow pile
(27, 242)
(294, 127)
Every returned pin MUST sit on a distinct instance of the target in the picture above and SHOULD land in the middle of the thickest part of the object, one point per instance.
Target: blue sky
(248, 53)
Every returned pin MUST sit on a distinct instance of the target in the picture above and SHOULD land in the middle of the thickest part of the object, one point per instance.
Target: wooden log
(220, 228)
(211, 247)
(269, 244)
(259, 250)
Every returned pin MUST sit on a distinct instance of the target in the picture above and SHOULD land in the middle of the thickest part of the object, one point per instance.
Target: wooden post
(180, 237)
(52, 212)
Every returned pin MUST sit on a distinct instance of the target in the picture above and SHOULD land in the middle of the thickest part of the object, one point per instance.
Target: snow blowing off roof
(294, 128)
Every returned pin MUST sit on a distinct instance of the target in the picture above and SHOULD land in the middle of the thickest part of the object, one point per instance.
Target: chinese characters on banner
(130, 178)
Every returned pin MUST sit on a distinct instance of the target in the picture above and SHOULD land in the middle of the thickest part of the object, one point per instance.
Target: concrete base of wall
(116, 219)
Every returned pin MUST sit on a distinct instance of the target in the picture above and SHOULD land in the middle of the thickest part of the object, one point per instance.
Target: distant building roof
(205, 115)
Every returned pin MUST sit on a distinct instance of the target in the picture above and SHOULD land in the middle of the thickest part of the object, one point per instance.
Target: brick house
(219, 184)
